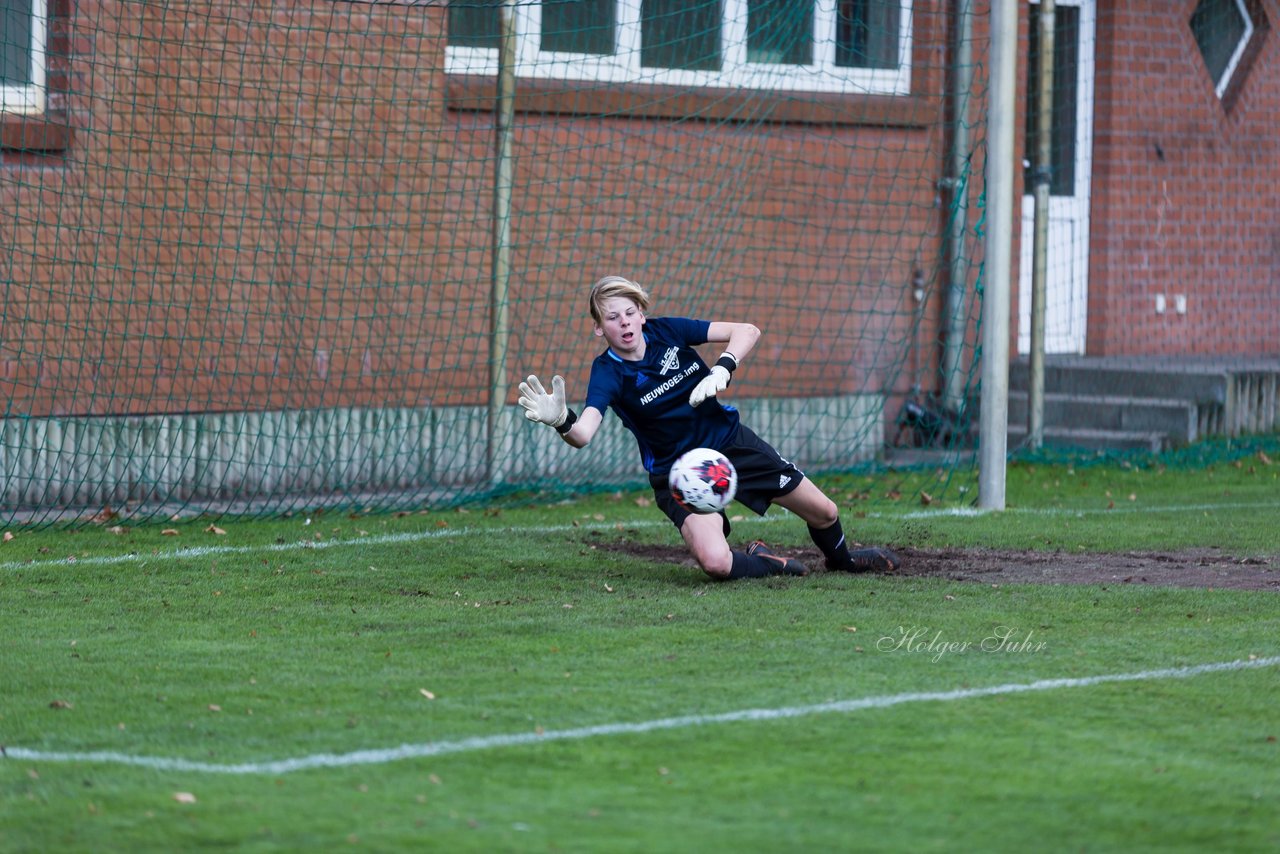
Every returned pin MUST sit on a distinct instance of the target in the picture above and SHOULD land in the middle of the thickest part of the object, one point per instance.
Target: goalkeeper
(665, 394)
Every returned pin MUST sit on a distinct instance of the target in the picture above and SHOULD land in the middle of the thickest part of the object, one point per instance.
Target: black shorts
(763, 475)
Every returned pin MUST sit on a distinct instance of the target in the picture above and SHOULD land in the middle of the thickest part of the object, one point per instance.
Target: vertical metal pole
(993, 425)
(1042, 176)
(961, 86)
(499, 321)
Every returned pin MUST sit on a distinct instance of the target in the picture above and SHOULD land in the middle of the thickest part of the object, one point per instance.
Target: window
(853, 46)
(22, 56)
(1222, 29)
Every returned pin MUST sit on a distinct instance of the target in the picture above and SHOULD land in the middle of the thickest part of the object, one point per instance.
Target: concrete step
(1177, 419)
(1078, 438)
(1201, 384)
(1146, 402)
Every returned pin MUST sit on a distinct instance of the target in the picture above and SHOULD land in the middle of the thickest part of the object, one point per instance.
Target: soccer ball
(703, 481)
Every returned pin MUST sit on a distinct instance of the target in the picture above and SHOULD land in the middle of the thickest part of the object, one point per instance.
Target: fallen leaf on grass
(60, 704)
(424, 692)
(184, 797)
(169, 532)
(214, 529)
(106, 514)
(8, 535)
(926, 499)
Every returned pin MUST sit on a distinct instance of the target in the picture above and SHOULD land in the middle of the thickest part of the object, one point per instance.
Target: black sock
(751, 566)
(831, 542)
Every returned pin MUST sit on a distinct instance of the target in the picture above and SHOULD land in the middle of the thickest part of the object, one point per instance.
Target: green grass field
(503, 680)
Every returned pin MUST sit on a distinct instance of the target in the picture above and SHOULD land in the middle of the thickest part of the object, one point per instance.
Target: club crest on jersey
(670, 360)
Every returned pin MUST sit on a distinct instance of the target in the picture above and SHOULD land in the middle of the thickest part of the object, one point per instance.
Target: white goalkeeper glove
(549, 409)
(716, 381)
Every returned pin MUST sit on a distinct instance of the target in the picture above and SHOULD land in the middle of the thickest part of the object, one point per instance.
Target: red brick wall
(289, 179)
(1185, 195)
(229, 172)
(269, 205)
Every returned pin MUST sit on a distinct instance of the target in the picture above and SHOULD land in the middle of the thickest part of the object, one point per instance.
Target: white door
(1067, 282)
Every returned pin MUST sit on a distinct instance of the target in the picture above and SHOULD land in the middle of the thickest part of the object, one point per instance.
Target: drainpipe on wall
(499, 321)
(957, 184)
(1042, 176)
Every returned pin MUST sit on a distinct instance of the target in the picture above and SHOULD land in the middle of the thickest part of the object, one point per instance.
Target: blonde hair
(615, 286)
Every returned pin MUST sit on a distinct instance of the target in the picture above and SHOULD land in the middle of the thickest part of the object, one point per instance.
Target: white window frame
(1220, 86)
(31, 97)
(623, 66)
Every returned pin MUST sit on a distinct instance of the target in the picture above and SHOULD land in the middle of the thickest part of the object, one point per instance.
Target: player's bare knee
(716, 572)
(716, 563)
(826, 514)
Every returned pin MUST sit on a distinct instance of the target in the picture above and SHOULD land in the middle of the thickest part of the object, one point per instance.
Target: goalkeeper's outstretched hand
(712, 384)
(549, 409)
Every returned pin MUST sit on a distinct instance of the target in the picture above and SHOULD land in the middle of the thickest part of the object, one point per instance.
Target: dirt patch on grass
(1188, 568)
(1206, 568)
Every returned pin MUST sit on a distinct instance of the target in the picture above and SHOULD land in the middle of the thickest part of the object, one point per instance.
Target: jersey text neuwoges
(669, 384)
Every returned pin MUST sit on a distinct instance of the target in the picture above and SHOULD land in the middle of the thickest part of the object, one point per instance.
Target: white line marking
(196, 552)
(319, 545)
(491, 742)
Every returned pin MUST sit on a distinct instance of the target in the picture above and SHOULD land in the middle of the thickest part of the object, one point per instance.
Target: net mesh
(268, 255)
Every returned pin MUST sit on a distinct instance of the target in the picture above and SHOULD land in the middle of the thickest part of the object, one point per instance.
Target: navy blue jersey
(651, 396)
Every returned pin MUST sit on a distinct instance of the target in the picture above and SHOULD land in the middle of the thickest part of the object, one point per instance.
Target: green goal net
(261, 256)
